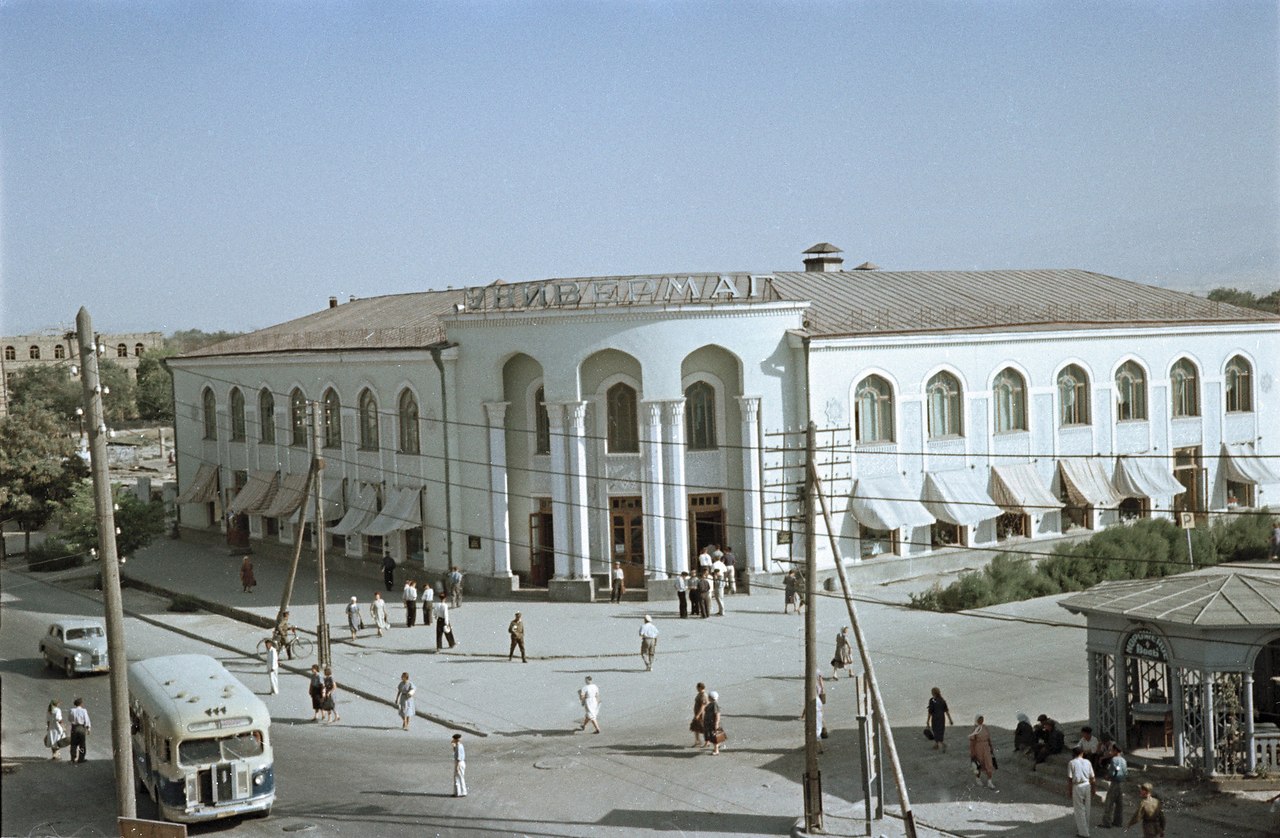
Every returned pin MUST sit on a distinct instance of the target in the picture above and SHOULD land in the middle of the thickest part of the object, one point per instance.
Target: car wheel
(48, 664)
(69, 668)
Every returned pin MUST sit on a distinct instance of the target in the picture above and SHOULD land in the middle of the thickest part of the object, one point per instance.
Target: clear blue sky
(229, 165)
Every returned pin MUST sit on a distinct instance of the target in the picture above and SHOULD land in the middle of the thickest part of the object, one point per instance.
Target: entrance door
(627, 530)
(542, 545)
(706, 521)
(1186, 468)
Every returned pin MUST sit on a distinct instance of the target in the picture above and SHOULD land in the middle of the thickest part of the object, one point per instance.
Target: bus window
(242, 745)
(197, 751)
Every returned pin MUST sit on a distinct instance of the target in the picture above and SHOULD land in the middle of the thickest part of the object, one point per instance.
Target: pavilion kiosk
(1189, 663)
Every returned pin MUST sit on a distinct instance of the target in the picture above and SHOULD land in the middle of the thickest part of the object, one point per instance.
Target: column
(677, 501)
(1250, 756)
(754, 554)
(576, 439)
(560, 514)
(499, 519)
(657, 558)
(1207, 722)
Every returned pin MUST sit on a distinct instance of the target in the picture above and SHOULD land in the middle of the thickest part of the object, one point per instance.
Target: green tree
(39, 467)
(138, 522)
(1247, 299)
(155, 386)
(48, 387)
(118, 402)
(188, 340)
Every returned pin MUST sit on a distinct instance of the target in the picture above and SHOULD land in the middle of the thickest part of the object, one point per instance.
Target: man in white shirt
(410, 603)
(682, 593)
(273, 667)
(444, 630)
(704, 560)
(459, 767)
(1081, 782)
(617, 589)
(427, 596)
(1091, 747)
(648, 642)
(80, 727)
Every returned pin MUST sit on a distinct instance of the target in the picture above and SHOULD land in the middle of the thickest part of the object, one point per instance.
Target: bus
(201, 748)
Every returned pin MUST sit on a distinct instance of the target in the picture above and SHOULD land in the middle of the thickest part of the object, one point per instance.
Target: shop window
(236, 403)
(943, 393)
(1239, 495)
(1184, 389)
(700, 417)
(943, 534)
(873, 542)
(209, 413)
(1010, 392)
(1012, 525)
(623, 427)
(1239, 385)
(542, 423)
(1073, 396)
(297, 419)
(1133, 509)
(332, 419)
(1131, 392)
(272, 526)
(368, 421)
(266, 416)
(873, 410)
(410, 440)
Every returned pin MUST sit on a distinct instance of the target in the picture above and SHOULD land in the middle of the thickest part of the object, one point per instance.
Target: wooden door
(542, 550)
(706, 523)
(627, 538)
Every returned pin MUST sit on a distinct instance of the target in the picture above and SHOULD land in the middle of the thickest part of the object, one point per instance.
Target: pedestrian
(704, 594)
(388, 571)
(54, 732)
(247, 579)
(404, 700)
(705, 560)
(1081, 782)
(648, 642)
(410, 603)
(80, 729)
(516, 630)
(355, 620)
(1113, 803)
(315, 689)
(982, 751)
(455, 587)
(459, 767)
(802, 591)
(789, 592)
(843, 657)
(682, 593)
(717, 591)
(711, 731)
(695, 596)
(730, 570)
(939, 716)
(618, 588)
(700, 700)
(444, 629)
(329, 709)
(284, 634)
(273, 666)
(428, 597)
(1275, 541)
(378, 611)
(589, 696)
(1150, 812)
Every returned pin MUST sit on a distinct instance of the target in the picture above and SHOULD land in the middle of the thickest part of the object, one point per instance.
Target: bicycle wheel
(261, 648)
(302, 646)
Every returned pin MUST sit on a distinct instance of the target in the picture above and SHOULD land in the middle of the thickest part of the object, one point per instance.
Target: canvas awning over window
(957, 497)
(403, 511)
(256, 495)
(1019, 489)
(1146, 477)
(1243, 465)
(288, 496)
(334, 508)
(204, 488)
(363, 509)
(1087, 483)
(885, 503)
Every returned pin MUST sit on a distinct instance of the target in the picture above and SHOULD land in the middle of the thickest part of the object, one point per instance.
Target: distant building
(22, 351)
(541, 430)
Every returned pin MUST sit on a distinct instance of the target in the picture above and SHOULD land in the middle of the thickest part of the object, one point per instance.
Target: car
(76, 644)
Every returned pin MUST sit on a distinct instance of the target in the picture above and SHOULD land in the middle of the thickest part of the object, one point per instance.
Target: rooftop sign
(639, 290)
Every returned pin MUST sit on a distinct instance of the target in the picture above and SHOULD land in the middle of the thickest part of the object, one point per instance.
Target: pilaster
(499, 503)
(754, 551)
(658, 558)
(677, 499)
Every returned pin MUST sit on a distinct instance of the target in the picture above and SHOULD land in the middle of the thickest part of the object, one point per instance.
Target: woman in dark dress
(316, 690)
(327, 707)
(711, 722)
(699, 704)
(938, 719)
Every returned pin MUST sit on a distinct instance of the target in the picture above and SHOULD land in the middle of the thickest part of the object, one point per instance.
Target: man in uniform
(516, 630)
(1150, 812)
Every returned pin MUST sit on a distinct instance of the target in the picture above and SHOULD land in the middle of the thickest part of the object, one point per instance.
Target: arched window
(138, 348)
(209, 413)
(623, 432)
(1073, 396)
(368, 420)
(542, 423)
(700, 417)
(236, 403)
(873, 410)
(122, 350)
(59, 352)
(297, 419)
(332, 419)
(1239, 385)
(410, 441)
(266, 416)
(1010, 392)
(10, 353)
(1131, 392)
(1184, 389)
(34, 353)
(943, 393)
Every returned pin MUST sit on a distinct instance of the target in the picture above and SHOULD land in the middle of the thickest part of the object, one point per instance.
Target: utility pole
(812, 774)
(104, 516)
(287, 593)
(317, 466)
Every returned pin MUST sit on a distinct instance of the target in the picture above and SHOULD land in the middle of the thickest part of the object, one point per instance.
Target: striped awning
(363, 509)
(1019, 489)
(204, 488)
(288, 497)
(1243, 465)
(256, 495)
(402, 512)
(1088, 484)
(334, 508)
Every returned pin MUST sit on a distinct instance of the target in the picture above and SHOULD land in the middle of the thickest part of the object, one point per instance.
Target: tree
(191, 339)
(138, 521)
(48, 387)
(155, 386)
(1247, 299)
(39, 467)
(118, 404)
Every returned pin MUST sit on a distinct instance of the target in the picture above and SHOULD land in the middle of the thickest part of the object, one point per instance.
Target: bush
(53, 555)
(1241, 537)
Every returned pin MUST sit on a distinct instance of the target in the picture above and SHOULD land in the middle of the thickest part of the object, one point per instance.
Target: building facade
(22, 351)
(533, 433)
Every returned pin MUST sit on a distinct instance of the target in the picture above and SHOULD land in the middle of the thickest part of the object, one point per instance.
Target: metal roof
(1222, 600)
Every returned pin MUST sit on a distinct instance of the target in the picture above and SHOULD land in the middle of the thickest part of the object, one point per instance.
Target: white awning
(885, 503)
(1018, 488)
(363, 509)
(1144, 476)
(957, 497)
(403, 511)
(204, 488)
(1243, 465)
(334, 508)
(1087, 483)
(288, 496)
(256, 494)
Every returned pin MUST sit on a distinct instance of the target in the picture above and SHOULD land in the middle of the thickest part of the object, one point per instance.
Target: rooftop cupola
(823, 256)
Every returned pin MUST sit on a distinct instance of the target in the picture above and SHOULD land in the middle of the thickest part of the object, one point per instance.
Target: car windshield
(87, 631)
(198, 751)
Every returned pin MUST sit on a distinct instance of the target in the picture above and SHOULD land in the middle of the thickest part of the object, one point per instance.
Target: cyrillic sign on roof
(640, 290)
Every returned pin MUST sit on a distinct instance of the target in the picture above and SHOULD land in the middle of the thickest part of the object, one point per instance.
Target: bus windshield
(239, 746)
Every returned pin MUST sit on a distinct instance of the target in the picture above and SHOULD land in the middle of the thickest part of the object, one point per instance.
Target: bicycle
(296, 646)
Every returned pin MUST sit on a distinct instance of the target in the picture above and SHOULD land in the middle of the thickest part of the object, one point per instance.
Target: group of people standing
(56, 738)
(715, 576)
(321, 688)
(706, 724)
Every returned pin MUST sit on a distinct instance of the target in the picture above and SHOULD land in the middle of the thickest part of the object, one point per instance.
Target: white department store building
(531, 433)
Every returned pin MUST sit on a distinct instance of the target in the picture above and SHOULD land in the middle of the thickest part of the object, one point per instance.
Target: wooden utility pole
(287, 593)
(113, 606)
(812, 774)
(317, 467)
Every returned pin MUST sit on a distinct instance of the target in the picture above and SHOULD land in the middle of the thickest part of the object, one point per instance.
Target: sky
(231, 165)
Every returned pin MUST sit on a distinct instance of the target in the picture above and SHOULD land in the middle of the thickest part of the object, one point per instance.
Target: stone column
(1207, 721)
(560, 513)
(677, 499)
(575, 426)
(753, 553)
(1250, 756)
(499, 519)
(657, 558)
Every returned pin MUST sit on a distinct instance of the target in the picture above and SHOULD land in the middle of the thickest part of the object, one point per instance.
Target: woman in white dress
(53, 720)
(404, 700)
(589, 695)
(378, 609)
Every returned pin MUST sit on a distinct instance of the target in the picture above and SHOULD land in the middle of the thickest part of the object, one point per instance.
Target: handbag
(719, 737)
(928, 733)
(64, 741)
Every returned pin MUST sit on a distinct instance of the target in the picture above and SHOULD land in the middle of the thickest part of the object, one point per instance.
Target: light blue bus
(201, 746)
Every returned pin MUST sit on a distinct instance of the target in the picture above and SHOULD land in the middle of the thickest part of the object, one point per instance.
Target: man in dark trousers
(444, 630)
(80, 727)
(516, 630)
(704, 594)
(682, 593)
(388, 571)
